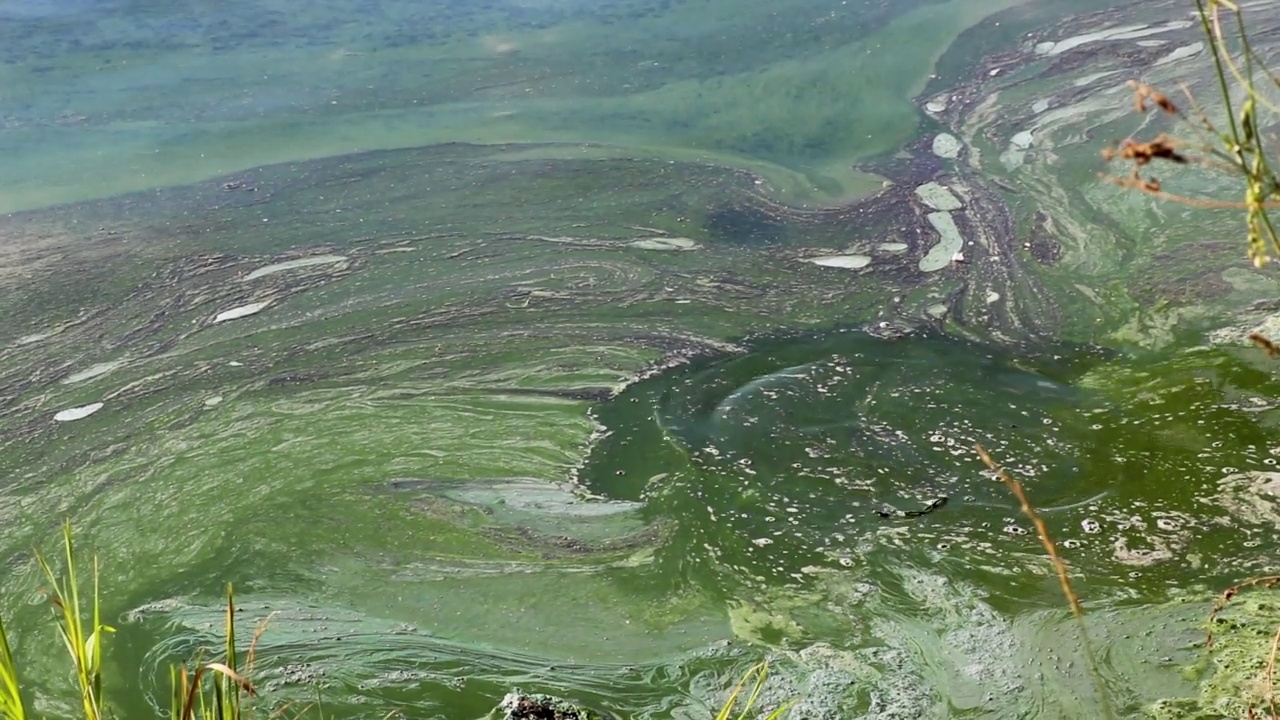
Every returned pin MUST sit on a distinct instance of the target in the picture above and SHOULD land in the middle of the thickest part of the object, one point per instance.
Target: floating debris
(292, 264)
(213, 401)
(242, 311)
(841, 261)
(664, 243)
(77, 413)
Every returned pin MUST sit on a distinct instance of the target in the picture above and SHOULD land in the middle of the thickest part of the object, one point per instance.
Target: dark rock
(519, 706)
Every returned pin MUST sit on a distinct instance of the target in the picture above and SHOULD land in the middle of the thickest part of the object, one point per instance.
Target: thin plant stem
(1095, 675)
(1041, 529)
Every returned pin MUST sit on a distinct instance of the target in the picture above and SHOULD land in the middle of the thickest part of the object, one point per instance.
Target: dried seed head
(1143, 93)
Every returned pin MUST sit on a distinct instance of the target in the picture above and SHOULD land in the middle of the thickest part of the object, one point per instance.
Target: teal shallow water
(567, 408)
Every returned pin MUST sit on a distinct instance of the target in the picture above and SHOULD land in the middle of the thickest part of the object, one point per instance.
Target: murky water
(603, 349)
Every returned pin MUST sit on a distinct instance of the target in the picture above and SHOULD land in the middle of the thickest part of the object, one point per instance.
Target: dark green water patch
(844, 450)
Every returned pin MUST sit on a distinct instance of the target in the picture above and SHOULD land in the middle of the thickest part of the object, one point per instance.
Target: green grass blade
(755, 676)
(85, 651)
(12, 704)
(231, 691)
(762, 673)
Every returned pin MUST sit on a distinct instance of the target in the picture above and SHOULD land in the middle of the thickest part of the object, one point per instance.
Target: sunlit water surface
(604, 349)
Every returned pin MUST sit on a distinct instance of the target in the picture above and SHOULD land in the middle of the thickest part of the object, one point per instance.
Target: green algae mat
(604, 349)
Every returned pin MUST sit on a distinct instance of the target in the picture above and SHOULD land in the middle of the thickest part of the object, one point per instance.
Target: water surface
(501, 344)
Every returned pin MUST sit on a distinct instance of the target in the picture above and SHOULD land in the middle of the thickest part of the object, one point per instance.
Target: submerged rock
(946, 146)
(519, 706)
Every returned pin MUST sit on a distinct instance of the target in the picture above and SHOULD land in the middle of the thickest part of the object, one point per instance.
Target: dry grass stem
(1266, 582)
(1016, 488)
(1271, 672)
(1265, 343)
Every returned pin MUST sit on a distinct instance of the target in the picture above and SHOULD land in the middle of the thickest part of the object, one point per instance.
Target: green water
(481, 345)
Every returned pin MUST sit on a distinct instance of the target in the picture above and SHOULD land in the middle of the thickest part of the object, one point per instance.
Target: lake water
(604, 349)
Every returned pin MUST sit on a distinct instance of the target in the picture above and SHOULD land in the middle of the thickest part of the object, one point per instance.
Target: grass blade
(84, 650)
(12, 704)
(755, 676)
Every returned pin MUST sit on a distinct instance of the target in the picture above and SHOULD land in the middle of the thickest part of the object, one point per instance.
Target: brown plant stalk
(1271, 672)
(1016, 488)
(1265, 581)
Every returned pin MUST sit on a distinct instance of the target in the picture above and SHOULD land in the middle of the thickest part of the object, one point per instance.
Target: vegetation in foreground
(218, 689)
(1237, 147)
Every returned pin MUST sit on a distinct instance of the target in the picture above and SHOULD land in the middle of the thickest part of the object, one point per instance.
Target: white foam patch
(292, 264)
(841, 261)
(93, 371)
(950, 242)
(938, 196)
(77, 413)
(242, 311)
(33, 338)
(1182, 53)
(1124, 32)
(664, 243)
